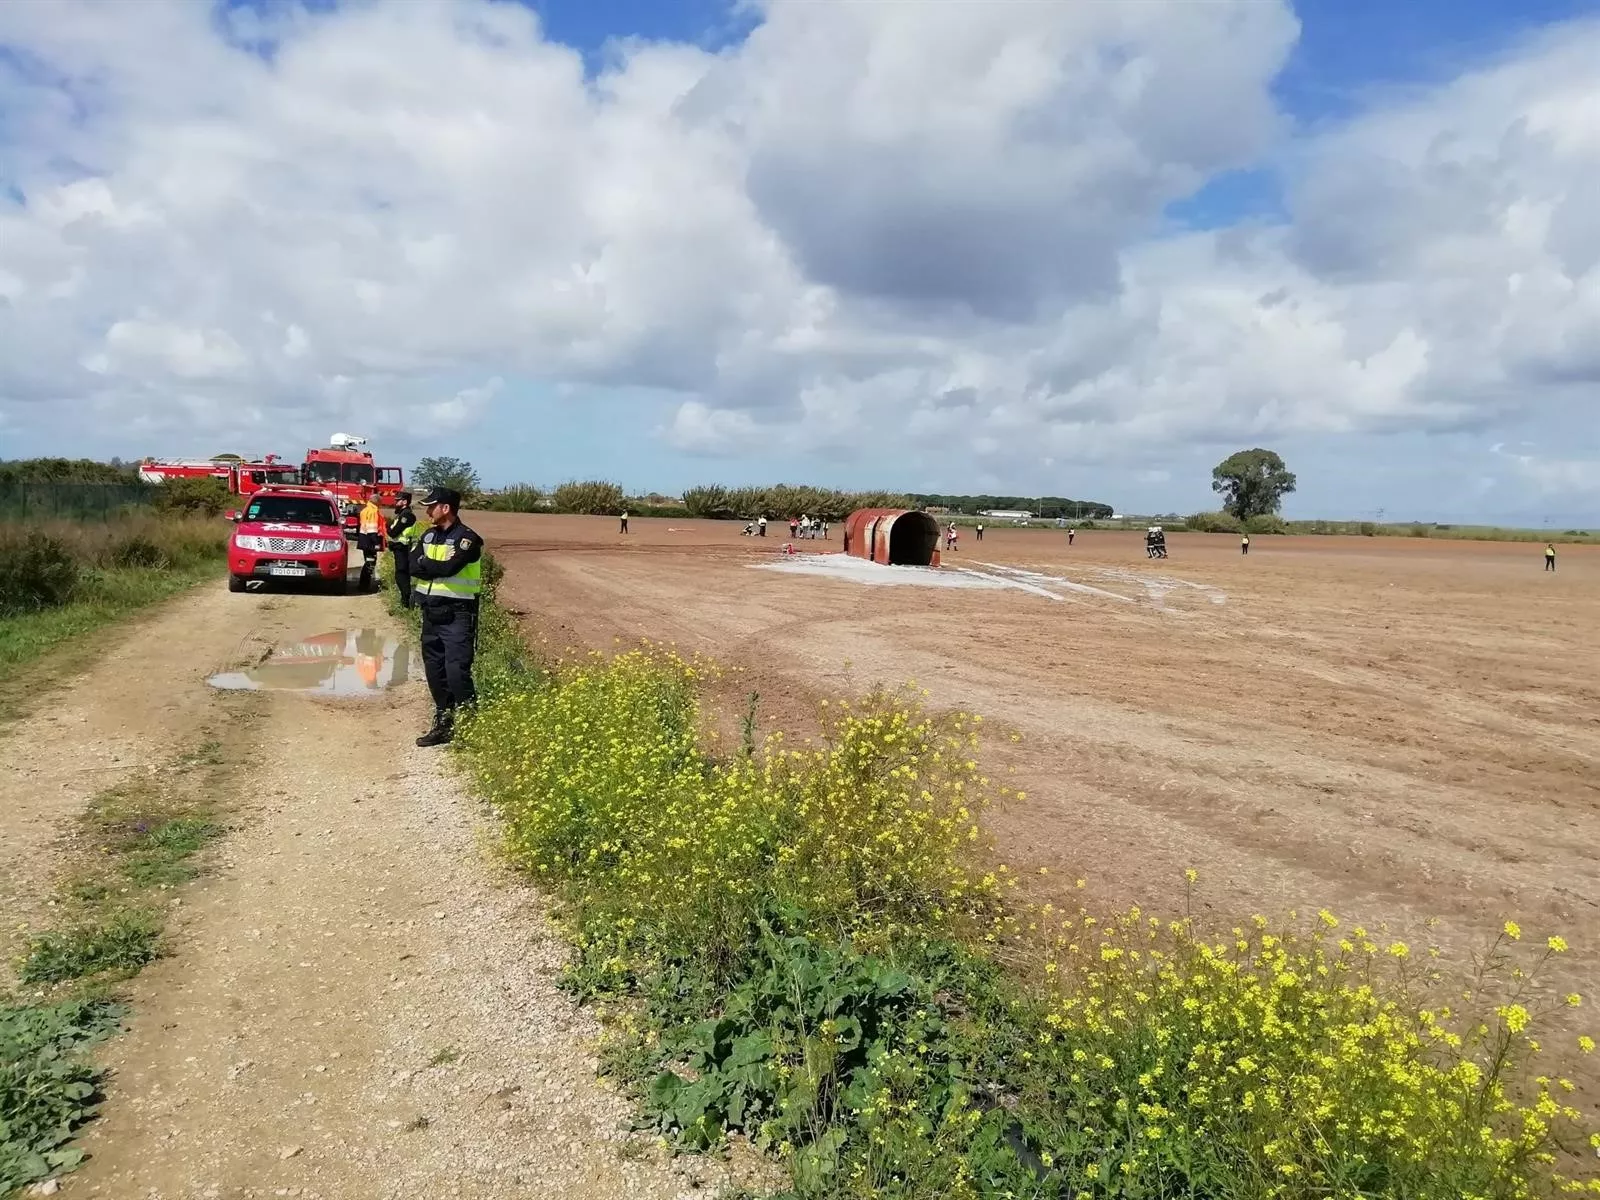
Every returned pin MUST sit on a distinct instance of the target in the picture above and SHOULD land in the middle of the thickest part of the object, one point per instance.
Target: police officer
(403, 536)
(447, 577)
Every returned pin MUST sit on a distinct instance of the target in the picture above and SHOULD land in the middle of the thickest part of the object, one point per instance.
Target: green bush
(48, 1085)
(66, 470)
(1268, 523)
(201, 497)
(519, 497)
(122, 944)
(595, 497)
(1214, 522)
(63, 578)
(784, 500)
(137, 550)
(40, 571)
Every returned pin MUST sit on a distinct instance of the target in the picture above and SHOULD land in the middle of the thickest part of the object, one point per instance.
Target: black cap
(403, 497)
(442, 495)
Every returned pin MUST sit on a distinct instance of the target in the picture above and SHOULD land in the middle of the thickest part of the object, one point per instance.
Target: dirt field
(1397, 729)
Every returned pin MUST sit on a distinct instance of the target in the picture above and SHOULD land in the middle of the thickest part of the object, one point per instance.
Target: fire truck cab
(346, 469)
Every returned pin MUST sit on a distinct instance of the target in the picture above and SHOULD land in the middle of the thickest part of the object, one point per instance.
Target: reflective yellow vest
(465, 584)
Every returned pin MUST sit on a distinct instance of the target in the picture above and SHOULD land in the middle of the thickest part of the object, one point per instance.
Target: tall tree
(1252, 483)
(454, 473)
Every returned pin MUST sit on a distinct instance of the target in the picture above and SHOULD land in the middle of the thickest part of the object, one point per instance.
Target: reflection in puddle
(346, 662)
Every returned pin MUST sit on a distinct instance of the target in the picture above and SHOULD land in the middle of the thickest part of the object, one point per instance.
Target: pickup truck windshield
(300, 510)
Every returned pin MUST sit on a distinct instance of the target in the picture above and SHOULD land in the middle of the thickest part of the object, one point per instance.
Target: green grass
(48, 1084)
(162, 857)
(133, 843)
(140, 837)
(111, 596)
(118, 945)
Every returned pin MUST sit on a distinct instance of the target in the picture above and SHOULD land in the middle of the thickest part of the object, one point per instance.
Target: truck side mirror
(233, 516)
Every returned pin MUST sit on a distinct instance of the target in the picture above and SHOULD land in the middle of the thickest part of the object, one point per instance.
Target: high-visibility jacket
(371, 519)
(404, 531)
(448, 564)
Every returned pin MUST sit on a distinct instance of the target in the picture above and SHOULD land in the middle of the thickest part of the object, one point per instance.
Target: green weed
(207, 754)
(160, 858)
(48, 1085)
(140, 836)
(119, 946)
(808, 946)
(747, 726)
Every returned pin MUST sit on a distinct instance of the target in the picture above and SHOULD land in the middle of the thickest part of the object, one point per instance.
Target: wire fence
(71, 501)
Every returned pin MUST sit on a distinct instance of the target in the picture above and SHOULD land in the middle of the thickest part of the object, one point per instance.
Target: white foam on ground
(1157, 587)
(990, 576)
(1043, 583)
(859, 570)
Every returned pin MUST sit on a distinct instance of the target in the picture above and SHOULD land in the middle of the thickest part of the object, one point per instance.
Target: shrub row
(53, 564)
(783, 501)
(593, 497)
(1222, 522)
(805, 946)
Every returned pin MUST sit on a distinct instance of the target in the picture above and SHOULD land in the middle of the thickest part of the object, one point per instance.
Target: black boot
(442, 732)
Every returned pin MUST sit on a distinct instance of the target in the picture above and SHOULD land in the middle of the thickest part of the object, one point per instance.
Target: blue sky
(217, 256)
(1349, 53)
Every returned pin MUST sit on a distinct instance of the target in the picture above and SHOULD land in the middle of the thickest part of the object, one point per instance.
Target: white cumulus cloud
(942, 221)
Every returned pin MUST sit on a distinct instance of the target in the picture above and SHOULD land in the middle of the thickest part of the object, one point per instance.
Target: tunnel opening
(892, 536)
(913, 537)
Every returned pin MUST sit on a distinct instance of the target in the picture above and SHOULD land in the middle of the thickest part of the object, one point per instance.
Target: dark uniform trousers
(449, 644)
(401, 550)
(445, 560)
(402, 575)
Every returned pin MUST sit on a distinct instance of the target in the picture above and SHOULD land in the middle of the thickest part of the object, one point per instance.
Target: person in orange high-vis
(369, 536)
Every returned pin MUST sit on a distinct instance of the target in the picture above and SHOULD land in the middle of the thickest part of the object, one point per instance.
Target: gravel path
(362, 1003)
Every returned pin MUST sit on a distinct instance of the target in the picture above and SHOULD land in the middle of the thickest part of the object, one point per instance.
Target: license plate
(286, 571)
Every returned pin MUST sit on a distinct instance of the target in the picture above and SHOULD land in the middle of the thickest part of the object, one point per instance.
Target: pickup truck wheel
(235, 584)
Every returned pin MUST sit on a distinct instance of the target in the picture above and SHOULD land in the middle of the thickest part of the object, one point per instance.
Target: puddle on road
(344, 662)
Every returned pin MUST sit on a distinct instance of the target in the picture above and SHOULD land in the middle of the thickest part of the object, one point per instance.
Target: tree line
(1039, 506)
(67, 470)
(784, 500)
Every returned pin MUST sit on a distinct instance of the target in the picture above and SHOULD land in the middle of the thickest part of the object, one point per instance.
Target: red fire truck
(243, 478)
(343, 468)
(349, 472)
